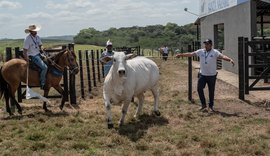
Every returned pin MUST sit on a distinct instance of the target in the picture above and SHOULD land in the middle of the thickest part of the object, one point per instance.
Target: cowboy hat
(32, 27)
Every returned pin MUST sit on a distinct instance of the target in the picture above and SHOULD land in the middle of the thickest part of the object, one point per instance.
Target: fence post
(102, 66)
(88, 71)
(189, 75)
(19, 90)
(93, 67)
(72, 80)
(98, 68)
(246, 69)
(65, 79)
(241, 72)
(8, 54)
(81, 74)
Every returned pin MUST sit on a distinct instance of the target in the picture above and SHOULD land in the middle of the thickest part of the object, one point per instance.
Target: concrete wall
(237, 22)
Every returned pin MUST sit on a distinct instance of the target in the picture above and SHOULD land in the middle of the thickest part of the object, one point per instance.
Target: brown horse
(15, 71)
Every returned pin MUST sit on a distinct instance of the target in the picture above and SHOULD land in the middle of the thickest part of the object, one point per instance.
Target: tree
(151, 36)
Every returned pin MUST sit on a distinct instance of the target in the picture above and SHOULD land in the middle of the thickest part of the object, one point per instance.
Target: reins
(54, 64)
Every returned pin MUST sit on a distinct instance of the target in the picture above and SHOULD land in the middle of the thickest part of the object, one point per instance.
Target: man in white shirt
(109, 52)
(208, 66)
(165, 52)
(32, 48)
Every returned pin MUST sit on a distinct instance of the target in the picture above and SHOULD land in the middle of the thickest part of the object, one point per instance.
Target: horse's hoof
(157, 113)
(47, 111)
(110, 126)
(10, 114)
(61, 107)
(20, 112)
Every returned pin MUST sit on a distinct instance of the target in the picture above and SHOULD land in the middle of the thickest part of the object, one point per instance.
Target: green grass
(87, 47)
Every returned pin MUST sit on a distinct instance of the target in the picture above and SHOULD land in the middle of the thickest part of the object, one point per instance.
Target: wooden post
(19, 90)
(93, 67)
(246, 69)
(241, 64)
(72, 90)
(102, 66)
(8, 54)
(81, 74)
(98, 68)
(189, 75)
(88, 71)
(72, 81)
(65, 79)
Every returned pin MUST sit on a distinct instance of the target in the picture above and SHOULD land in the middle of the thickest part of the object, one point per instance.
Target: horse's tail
(3, 86)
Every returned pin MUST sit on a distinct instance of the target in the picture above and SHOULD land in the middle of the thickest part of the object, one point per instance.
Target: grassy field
(235, 129)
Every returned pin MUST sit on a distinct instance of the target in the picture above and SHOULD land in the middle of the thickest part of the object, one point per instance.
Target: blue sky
(68, 17)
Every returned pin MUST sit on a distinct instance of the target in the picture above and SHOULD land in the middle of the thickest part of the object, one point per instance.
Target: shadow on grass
(37, 114)
(136, 129)
(224, 114)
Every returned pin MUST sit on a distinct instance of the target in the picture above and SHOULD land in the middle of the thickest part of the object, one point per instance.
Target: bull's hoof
(110, 126)
(121, 125)
(157, 113)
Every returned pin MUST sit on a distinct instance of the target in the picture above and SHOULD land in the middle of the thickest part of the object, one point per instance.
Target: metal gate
(254, 64)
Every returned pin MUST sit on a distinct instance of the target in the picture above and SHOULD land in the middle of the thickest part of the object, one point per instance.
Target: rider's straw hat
(32, 27)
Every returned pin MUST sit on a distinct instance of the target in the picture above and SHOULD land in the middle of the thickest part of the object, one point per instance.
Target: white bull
(127, 78)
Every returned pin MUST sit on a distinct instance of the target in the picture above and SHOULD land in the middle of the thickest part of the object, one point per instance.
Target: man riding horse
(32, 49)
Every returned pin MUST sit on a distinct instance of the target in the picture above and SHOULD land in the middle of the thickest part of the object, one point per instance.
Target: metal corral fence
(92, 71)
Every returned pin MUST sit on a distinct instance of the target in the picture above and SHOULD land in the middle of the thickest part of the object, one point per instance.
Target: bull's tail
(3, 87)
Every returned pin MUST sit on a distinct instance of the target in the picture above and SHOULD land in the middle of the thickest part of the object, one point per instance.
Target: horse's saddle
(33, 66)
(51, 68)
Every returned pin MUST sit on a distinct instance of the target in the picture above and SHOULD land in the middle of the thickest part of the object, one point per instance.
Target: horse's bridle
(71, 68)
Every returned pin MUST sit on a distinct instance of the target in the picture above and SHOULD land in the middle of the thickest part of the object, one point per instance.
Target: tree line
(152, 36)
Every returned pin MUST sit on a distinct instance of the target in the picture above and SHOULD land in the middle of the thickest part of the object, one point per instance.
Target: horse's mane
(57, 56)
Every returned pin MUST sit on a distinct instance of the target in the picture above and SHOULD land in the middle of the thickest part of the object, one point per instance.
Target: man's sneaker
(203, 108)
(211, 109)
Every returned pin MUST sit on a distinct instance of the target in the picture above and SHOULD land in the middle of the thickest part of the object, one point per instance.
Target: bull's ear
(106, 59)
(130, 56)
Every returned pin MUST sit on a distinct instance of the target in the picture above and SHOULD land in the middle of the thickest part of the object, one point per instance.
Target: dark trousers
(165, 56)
(211, 83)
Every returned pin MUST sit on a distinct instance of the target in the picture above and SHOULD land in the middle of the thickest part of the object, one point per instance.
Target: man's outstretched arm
(186, 54)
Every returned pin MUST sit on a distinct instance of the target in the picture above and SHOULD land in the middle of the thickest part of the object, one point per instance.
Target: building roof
(263, 9)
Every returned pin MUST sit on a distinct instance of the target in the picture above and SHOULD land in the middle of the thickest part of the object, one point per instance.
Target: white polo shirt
(208, 61)
(32, 45)
(165, 50)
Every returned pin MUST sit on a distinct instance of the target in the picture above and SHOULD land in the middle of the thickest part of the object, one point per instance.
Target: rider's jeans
(38, 61)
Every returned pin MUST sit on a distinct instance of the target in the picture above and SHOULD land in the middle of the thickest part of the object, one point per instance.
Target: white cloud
(69, 5)
(70, 16)
(39, 15)
(10, 5)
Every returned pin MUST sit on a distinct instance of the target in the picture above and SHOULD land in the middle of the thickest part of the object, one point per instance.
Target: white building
(235, 18)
